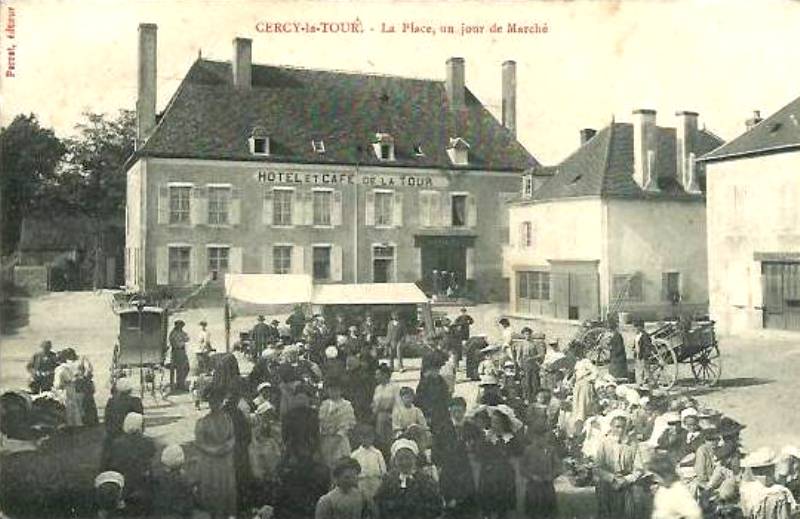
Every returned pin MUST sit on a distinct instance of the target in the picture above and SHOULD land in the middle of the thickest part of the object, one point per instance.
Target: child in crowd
(265, 449)
(373, 465)
(407, 414)
(174, 498)
(346, 500)
(108, 494)
(448, 371)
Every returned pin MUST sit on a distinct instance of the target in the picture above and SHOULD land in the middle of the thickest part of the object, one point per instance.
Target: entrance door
(781, 292)
(444, 265)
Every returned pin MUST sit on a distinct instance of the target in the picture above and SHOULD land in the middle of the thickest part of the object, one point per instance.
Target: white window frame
(252, 143)
(527, 239)
(628, 278)
(216, 246)
(375, 245)
(389, 192)
(418, 151)
(289, 246)
(453, 195)
(170, 247)
(328, 246)
(291, 223)
(170, 186)
(209, 188)
(318, 145)
(527, 186)
(330, 207)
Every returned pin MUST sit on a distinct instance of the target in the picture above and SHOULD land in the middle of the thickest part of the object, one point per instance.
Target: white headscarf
(172, 456)
(404, 443)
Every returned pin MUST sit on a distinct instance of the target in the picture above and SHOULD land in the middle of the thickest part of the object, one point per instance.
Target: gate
(781, 292)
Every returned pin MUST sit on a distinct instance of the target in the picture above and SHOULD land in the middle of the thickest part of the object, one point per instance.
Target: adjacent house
(349, 177)
(620, 226)
(754, 225)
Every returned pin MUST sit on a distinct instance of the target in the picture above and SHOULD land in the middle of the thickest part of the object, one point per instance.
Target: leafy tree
(29, 157)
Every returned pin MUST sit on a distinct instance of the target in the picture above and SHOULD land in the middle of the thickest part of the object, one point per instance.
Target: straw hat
(404, 443)
(763, 457)
(488, 380)
(263, 385)
(790, 451)
(490, 349)
(109, 477)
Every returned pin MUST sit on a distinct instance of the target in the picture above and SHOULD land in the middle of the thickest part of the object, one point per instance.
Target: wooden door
(772, 279)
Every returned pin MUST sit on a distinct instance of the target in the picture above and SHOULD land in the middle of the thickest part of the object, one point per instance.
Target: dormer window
(418, 150)
(259, 141)
(527, 186)
(384, 146)
(318, 145)
(458, 151)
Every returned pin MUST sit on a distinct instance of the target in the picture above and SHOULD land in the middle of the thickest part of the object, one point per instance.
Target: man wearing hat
(202, 349)
(461, 325)
(642, 349)
(261, 335)
(42, 368)
(395, 336)
(530, 354)
(179, 360)
(296, 322)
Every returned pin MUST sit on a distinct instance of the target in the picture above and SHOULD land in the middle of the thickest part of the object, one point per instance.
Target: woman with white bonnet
(406, 492)
(131, 455)
(173, 493)
(108, 489)
(760, 496)
(497, 482)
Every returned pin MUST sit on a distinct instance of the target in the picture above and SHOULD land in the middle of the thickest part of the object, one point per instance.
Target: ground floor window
(627, 287)
(671, 287)
(382, 263)
(282, 259)
(533, 289)
(179, 265)
(218, 261)
(322, 262)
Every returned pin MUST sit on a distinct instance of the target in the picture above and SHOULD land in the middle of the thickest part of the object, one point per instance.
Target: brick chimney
(587, 134)
(510, 96)
(686, 149)
(146, 83)
(645, 146)
(242, 64)
(753, 121)
(454, 84)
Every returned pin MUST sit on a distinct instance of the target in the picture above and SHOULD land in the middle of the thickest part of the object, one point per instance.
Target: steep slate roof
(779, 131)
(603, 166)
(208, 118)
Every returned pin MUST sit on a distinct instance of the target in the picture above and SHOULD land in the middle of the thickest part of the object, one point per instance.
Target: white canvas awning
(269, 289)
(369, 294)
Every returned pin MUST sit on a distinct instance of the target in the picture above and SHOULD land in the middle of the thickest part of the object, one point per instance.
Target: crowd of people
(319, 428)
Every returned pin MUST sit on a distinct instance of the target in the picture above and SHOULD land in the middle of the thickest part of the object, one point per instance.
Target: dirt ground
(759, 385)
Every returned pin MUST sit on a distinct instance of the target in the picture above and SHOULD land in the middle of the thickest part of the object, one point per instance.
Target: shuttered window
(384, 208)
(322, 201)
(179, 204)
(179, 265)
(218, 261)
(218, 203)
(282, 207)
(321, 262)
(282, 259)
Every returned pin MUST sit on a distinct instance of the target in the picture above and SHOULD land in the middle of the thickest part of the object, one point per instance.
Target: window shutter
(664, 286)
(472, 211)
(370, 208)
(308, 260)
(336, 263)
(298, 260)
(267, 266)
(683, 286)
(235, 260)
(436, 209)
(425, 209)
(198, 265)
(470, 274)
(298, 214)
(162, 266)
(198, 206)
(447, 209)
(163, 205)
(308, 208)
(266, 210)
(397, 206)
(235, 208)
(336, 208)
(416, 266)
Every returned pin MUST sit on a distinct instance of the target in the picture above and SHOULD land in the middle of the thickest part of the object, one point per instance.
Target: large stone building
(630, 212)
(754, 225)
(350, 177)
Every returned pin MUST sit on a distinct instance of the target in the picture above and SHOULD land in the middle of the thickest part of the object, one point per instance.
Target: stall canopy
(267, 292)
(368, 294)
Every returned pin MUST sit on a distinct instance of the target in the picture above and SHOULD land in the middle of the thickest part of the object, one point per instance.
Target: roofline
(655, 197)
(752, 153)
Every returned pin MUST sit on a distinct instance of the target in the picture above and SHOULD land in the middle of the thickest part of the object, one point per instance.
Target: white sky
(720, 58)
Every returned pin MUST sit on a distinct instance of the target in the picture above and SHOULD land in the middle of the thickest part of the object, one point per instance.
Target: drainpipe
(355, 227)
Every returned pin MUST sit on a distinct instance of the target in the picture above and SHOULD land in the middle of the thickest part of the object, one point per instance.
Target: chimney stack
(146, 83)
(242, 64)
(455, 83)
(587, 134)
(750, 123)
(510, 96)
(685, 150)
(645, 145)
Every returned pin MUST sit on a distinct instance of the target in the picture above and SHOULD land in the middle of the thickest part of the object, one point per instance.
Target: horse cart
(141, 346)
(693, 343)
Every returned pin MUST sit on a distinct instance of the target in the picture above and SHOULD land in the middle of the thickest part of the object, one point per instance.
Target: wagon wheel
(663, 365)
(707, 366)
(596, 348)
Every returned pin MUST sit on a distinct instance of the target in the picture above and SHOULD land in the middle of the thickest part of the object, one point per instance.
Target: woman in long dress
(583, 395)
(336, 420)
(64, 385)
(216, 472)
(497, 486)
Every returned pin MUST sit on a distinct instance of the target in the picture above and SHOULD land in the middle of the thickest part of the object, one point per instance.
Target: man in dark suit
(450, 453)
(260, 335)
(395, 335)
(642, 349)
